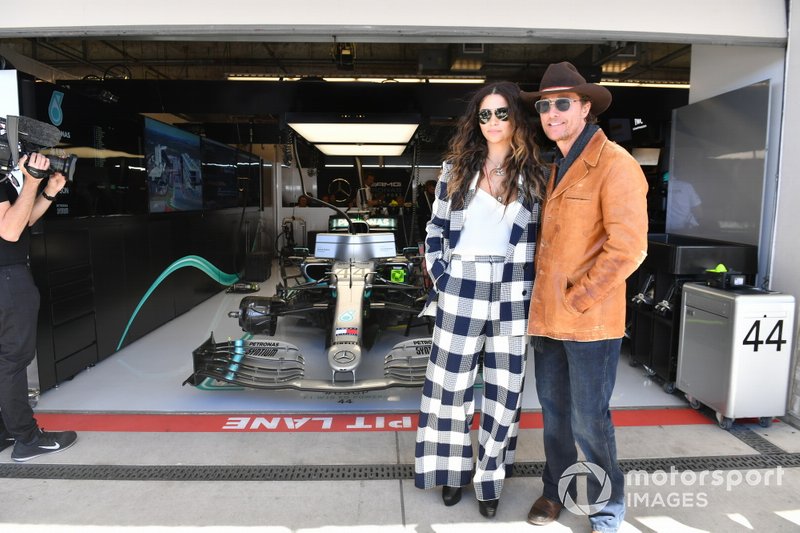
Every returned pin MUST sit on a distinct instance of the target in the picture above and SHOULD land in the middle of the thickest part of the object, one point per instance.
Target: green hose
(188, 261)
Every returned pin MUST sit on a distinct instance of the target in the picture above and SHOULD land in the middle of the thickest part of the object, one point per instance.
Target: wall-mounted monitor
(718, 166)
(109, 177)
(248, 174)
(174, 172)
(220, 183)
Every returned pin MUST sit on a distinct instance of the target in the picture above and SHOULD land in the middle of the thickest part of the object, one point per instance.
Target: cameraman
(19, 310)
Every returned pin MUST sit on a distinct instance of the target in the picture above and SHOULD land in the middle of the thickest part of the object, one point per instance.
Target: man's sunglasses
(485, 115)
(562, 104)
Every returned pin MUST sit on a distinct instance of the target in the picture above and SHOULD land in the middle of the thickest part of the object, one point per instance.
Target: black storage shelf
(673, 260)
(92, 271)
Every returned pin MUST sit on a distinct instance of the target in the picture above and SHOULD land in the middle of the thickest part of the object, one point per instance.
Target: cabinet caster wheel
(669, 387)
(693, 402)
(765, 421)
(724, 422)
(33, 397)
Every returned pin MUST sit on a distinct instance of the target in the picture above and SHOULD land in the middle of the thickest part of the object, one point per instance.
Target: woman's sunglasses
(562, 104)
(485, 115)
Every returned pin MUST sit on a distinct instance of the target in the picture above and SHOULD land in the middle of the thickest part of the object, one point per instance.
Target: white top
(487, 226)
(682, 200)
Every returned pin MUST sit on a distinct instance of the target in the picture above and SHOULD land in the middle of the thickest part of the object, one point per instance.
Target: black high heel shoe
(488, 508)
(451, 495)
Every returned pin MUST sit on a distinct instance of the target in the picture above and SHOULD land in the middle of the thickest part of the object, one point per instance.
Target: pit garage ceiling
(65, 60)
(70, 58)
(177, 42)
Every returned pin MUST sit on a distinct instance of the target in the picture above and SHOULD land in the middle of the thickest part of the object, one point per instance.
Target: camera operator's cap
(564, 77)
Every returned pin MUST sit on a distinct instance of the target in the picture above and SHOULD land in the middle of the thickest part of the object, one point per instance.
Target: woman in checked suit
(479, 253)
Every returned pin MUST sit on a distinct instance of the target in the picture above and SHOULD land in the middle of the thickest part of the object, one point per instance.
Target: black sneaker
(46, 442)
(6, 440)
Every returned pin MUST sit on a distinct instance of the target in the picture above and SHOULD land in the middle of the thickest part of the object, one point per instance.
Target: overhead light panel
(355, 134)
(362, 149)
(360, 133)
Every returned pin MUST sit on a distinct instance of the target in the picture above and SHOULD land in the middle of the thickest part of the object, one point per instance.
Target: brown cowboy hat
(564, 77)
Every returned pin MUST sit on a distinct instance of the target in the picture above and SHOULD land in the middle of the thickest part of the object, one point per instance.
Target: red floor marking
(659, 417)
(224, 423)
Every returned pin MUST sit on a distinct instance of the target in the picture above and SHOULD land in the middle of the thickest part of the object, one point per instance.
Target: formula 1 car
(353, 287)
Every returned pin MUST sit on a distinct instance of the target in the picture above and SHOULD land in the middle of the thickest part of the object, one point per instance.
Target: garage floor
(146, 375)
(153, 455)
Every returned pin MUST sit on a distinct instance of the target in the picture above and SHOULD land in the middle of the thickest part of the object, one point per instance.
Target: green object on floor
(187, 261)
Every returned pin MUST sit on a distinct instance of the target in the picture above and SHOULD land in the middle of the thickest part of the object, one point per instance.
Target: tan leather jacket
(593, 236)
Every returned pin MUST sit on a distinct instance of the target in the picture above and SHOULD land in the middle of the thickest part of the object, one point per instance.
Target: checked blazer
(443, 231)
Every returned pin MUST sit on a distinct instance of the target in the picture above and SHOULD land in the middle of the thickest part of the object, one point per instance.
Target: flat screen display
(248, 173)
(174, 172)
(109, 175)
(220, 182)
(718, 166)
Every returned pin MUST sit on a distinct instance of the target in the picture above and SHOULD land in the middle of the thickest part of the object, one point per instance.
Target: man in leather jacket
(593, 236)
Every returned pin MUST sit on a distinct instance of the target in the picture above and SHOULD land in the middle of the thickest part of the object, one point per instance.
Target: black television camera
(23, 135)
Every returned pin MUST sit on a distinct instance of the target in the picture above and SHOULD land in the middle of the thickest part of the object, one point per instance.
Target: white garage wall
(9, 97)
(786, 251)
(719, 69)
(709, 21)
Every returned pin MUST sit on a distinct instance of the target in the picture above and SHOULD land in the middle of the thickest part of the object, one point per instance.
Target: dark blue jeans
(19, 311)
(574, 381)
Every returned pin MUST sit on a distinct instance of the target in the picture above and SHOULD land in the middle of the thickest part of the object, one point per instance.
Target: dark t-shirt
(580, 143)
(13, 253)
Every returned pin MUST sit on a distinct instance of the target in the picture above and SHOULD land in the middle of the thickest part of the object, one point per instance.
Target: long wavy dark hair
(468, 149)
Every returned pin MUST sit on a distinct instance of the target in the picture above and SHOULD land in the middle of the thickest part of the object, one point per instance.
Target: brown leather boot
(544, 511)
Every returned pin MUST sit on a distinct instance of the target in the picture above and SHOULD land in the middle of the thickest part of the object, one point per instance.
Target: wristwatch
(48, 197)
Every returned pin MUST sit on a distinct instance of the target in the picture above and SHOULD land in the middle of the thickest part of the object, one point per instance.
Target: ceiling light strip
(645, 84)
(342, 79)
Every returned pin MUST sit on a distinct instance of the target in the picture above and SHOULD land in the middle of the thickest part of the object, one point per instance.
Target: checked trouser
(466, 321)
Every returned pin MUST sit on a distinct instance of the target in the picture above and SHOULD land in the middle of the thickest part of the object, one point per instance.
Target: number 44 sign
(766, 334)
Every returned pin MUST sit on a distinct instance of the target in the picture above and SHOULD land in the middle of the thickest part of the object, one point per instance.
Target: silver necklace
(498, 170)
(498, 197)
